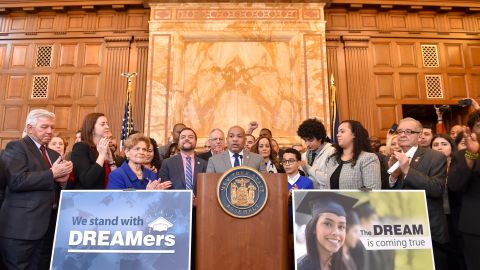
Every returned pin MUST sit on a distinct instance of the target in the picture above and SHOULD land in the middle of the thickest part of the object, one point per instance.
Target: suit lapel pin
(417, 159)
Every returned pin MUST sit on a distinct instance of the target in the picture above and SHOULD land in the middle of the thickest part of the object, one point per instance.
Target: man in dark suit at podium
(28, 213)
(235, 155)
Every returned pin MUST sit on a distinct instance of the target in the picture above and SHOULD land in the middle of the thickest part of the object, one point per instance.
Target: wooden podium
(224, 242)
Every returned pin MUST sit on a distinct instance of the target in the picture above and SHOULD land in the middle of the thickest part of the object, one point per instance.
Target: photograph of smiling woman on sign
(326, 231)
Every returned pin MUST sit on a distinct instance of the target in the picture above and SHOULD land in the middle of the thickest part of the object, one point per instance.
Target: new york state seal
(242, 192)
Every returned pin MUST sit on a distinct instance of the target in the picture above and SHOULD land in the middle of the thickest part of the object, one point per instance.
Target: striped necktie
(188, 174)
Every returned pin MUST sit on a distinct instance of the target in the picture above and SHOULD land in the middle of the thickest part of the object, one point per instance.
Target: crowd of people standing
(34, 170)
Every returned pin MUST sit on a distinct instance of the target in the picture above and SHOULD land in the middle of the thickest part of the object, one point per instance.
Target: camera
(393, 128)
(465, 102)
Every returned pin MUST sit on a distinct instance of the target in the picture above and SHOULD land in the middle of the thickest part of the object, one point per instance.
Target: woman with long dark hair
(92, 159)
(353, 165)
(153, 161)
(325, 233)
(264, 147)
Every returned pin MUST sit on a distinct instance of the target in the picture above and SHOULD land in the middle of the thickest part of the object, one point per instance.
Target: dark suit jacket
(428, 170)
(3, 180)
(172, 169)
(466, 182)
(205, 156)
(29, 196)
(88, 174)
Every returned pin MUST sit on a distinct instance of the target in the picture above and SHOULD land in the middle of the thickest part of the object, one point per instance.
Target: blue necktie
(237, 159)
(188, 174)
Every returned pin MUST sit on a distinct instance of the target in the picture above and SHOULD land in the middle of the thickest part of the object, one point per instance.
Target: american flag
(127, 124)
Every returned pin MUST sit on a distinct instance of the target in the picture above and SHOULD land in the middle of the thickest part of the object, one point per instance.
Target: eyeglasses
(288, 161)
(407, 132)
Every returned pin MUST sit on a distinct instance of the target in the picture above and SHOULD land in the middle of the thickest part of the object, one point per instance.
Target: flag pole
(127, 125)
(333, 106)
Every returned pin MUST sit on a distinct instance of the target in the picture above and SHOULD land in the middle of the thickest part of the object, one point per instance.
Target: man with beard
(236, 154)
(216, 138)
(182, 169)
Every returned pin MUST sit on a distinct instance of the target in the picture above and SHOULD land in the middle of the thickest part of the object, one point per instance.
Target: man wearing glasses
(216, 139)
(422, 168)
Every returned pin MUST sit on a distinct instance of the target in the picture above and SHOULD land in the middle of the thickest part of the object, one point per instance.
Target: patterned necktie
(188, 174)
(44, 154)
(237, 159)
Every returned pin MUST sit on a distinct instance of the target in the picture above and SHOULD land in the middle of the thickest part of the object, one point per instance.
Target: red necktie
(44, 154)
(47, 161)
(107, 173)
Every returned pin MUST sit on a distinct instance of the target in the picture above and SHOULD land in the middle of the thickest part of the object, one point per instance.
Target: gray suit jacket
(221, 162)
(365, 173)
(172, 169)
(25, 212)
(428, 171)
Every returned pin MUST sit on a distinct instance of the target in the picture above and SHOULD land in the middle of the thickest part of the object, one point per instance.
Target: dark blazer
(466, 181)
(172, 169)
(428, 170)
(3, 180)
(29, 196)
(205, 156)
(88, 174)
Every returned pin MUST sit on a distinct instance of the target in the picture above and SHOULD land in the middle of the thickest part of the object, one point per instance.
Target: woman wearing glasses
(264, 147)
(352, 165)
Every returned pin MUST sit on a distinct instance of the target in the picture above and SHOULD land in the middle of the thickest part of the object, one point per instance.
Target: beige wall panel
(387, 115)
(93, 55)
(136, 20)
(369, 21)
(45, 23)
(406, 54)
(337, 20)
(90, 84)
(82, 112)
(64, 86)
(75, 22)
(19, 57)
(382, 54)
(399, 21)
(220, 66)
(384, 84)
(18, 23)
(63, 116)
(457, 86)
(409, 86)
(456, 23)
(16, 87)
(68, 56)
(11, 118)
(475, 89)
(474, 55)
(3, 59)
(105, 21)
(427, 22)
(454, 55)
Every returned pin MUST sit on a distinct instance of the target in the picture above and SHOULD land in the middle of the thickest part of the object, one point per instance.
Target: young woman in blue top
(133, 174)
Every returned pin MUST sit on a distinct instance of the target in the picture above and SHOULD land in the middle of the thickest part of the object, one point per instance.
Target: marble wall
(219, 65)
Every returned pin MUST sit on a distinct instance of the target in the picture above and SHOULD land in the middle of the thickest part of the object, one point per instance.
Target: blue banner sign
(123, 230)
